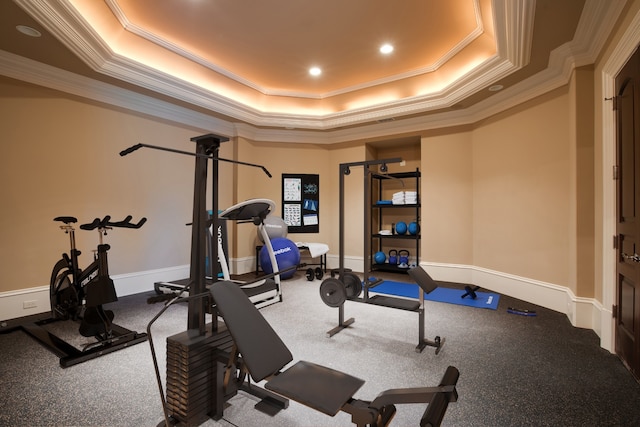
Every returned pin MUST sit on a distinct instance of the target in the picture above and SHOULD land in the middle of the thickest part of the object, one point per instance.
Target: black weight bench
(334, 292)
(264, 355)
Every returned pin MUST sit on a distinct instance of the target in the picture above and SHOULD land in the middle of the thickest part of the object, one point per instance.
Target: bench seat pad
(321, 388)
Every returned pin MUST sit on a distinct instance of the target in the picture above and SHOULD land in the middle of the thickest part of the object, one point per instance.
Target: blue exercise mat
(440, 294)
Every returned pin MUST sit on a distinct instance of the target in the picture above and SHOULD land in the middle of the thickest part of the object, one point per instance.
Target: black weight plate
(309, 274)
(319, 273)
(332, 292)
(352, 285)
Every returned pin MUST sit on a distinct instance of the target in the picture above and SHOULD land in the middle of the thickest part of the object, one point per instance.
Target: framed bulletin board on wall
(301, 202)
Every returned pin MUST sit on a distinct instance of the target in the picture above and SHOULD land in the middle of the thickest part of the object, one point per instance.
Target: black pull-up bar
(188, 153)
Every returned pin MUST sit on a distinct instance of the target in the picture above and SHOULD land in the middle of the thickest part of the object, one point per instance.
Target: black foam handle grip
(140, 223)
(437, 407)
(130, 149)
(126, 223)
(435, 411)
(92, 225)
(104, 222)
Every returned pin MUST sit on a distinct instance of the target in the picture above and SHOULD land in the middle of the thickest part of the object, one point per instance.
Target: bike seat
(66, 219)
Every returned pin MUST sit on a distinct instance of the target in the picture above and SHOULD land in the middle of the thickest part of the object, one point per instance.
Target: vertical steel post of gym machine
(206, 145)
(344, 170)
(366, 268)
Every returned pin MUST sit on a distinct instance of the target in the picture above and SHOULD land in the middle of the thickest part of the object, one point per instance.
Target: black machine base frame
(70, 355)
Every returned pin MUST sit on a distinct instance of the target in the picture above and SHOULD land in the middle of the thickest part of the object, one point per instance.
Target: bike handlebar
(97, 223)
(106, 222)
(126, 223)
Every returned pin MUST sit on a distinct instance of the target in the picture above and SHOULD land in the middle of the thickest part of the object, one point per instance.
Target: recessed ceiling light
(386, 48)
(29, 31)
(496, 88)
(315, 71)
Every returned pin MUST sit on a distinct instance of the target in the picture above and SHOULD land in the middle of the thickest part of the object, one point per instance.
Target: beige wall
(281, 158)
(447, 197)
(584, 260)
(60, 156)
(522, 191)
(509, 194)
(501, 196)
(496, 196)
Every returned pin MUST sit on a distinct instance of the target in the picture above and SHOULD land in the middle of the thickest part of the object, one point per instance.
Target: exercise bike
(78, 294)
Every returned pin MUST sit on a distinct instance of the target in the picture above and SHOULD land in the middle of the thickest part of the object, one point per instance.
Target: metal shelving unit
(380, 214)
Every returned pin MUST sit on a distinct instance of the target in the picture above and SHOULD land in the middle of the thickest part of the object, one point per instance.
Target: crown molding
(178, 50)
(70, 28)
(75, 33)
(519, 22)
(595, 25)
(172, 47)
(27, 70)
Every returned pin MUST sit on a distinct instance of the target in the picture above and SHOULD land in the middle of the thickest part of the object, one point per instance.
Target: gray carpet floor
(514, 370)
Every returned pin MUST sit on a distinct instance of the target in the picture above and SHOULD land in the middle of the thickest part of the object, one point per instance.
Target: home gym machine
(79, 295)
(197, 388)
(334, 291)
(210, 363)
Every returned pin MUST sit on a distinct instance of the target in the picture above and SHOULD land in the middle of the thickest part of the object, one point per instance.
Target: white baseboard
(30, 301)
(585, 313)
(135, 283)
(24, 302)
(582, 312)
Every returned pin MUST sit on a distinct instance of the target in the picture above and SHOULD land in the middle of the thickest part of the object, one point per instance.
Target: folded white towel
(315, 249)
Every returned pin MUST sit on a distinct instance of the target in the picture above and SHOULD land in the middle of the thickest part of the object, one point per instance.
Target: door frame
(621, 53)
